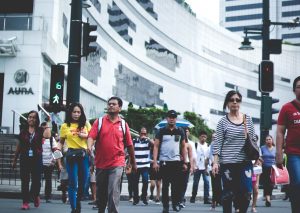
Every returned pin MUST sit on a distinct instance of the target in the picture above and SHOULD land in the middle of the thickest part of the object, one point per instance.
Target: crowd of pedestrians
(95, 156)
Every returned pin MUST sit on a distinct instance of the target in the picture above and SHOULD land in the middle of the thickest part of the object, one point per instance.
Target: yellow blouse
(70, 134)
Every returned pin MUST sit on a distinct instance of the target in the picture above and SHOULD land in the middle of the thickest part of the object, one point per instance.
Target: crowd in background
(94, 156)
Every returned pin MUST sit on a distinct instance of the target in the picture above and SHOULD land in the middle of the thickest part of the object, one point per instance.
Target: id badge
(30, 153)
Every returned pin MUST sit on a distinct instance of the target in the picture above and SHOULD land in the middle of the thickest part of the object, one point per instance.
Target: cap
(172, 114)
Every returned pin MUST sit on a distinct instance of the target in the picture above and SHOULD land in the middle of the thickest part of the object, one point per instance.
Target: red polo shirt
(110, 147)
(289, 116)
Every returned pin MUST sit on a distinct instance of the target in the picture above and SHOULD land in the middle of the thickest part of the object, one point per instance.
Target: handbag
(75, 154)
(279, 176)
(250, 147)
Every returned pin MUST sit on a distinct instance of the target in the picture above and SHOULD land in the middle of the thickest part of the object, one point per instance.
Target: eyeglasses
(143, 133)
(235, 100)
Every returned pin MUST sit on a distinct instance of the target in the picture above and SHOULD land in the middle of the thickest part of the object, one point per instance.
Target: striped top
(232, 136)
(142, 152)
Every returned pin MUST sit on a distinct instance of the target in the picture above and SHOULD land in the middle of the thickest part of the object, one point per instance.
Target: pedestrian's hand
(14, 163)
(184, 167)
(155, 166)
(215, 169)
(60, 167)
(192, 170)
(134, 168)
(279, 160)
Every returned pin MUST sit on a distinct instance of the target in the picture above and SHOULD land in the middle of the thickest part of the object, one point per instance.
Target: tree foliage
(149, 117)
(199, 124)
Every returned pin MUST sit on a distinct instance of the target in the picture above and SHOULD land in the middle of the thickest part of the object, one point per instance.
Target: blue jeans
(197, 176)
(293, 162)
(237, 185)
(78, 172)
(145, 179)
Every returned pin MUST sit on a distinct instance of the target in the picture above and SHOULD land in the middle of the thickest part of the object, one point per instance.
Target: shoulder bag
(250, 147)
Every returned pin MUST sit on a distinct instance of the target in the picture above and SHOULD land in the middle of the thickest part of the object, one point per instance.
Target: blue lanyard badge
(30, 151)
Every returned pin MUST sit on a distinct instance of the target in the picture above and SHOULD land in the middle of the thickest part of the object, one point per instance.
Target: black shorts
(153, 174)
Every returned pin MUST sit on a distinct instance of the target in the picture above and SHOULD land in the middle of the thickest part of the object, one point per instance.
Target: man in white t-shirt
(201, 167)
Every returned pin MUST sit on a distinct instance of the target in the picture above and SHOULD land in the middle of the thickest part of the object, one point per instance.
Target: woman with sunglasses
(30, 151)
(75, 132)
(229, 156)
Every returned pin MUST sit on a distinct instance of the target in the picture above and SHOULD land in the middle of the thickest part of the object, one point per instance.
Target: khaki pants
(108, 189)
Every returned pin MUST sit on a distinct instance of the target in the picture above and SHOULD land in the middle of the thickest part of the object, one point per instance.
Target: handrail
(14, 114)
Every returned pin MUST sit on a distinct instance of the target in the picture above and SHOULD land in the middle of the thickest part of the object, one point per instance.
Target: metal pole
(265, 56)
(14, 122)
(73, 79)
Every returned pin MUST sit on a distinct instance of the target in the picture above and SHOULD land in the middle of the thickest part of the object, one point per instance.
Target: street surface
(13, 205)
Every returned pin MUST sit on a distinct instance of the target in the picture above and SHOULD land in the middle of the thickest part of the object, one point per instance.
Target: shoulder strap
(196, 145)
(51, 143)
(245, 125)
(99, 124)
(295, 105)
(123, 126)
(100, 120)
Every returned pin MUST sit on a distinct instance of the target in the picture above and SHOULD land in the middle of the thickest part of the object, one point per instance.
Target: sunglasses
(235, 100)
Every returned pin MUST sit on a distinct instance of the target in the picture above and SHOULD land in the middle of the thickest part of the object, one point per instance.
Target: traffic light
(267, 112)
(87, 39)
(266, 76)
(56, 87)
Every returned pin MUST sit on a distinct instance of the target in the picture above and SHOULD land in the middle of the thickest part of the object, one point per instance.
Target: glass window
(243, 7)
(17, 23)
(246, 17)
(291, 13)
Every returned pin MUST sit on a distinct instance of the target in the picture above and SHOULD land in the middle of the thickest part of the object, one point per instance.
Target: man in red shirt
(110, 155)
(289, 119)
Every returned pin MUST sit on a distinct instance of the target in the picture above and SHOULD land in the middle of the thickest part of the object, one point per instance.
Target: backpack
(123, 126)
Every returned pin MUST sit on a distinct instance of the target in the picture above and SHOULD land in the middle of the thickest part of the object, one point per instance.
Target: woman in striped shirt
(229, 156)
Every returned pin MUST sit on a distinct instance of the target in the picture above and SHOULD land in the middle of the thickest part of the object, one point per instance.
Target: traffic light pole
(73, 79)
(265, 56)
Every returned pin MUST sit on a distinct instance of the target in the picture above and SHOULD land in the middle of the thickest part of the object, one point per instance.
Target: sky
(207, 8)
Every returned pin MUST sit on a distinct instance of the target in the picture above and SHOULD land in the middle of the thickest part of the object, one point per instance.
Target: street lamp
(246, 44)
(269, 46)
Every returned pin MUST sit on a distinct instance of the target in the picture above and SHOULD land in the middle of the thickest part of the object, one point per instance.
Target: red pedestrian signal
(266, 76)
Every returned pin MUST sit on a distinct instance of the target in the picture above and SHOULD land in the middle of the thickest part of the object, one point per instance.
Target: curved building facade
(150, 52)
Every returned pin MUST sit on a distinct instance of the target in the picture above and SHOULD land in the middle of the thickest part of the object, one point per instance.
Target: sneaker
(131, 199)
(37, 201)
(25, 206)
(145, 202)
(192, 200)
(181, 205)
(95, 207)
(176, 208)
(92, 203)
(157, 201)
(135, 203)
(151, 197)
(64, 198)
(206, 201)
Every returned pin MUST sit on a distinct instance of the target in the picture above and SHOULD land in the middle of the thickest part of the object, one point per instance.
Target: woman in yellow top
(75, 132)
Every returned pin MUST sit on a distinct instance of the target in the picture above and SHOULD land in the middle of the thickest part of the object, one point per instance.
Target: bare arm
(47, 132)
(60, 147)
(16, 156)
(155, 153)
(90, 143)
(132, 157)
(279, 143)
(191, 158)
